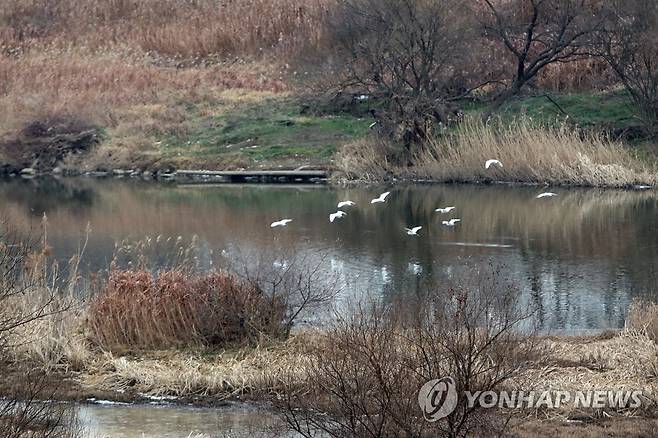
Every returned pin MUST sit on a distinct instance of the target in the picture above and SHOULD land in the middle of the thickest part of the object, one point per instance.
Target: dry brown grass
(624, 361)
(175, 309)
(365, 159)
(530, 154)
(103, 88)
(133, 66)
(580, 75)
(643, 317)
(262, 370)
(180, 29)
(134, 100)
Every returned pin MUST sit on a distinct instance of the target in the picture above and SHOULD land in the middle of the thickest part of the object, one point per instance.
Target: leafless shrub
(298, 281)
(28, 297)
(28, 412)
(365, 374)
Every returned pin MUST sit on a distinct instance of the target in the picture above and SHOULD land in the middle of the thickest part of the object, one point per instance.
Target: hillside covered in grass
(246, 84)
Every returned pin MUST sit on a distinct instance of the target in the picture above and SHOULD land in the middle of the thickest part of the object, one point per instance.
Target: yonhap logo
(438, 398)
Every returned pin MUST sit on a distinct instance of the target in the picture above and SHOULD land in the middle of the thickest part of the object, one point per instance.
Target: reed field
(530, 153)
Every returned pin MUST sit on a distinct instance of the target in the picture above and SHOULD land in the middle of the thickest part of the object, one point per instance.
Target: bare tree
(405, 55)
(364, 376)
(628, 43)
(537, 33)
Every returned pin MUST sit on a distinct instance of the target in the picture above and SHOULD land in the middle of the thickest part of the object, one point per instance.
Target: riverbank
(254, 131)
(527, 153)
(204, 339)
(610, 361)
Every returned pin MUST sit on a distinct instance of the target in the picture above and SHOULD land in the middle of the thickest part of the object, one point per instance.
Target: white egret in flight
(281, 223)
(337, 215)
(413, 231)
(382, 198)
(451, 222)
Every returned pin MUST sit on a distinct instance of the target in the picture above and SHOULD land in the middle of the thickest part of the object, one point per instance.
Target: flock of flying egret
(411, 231)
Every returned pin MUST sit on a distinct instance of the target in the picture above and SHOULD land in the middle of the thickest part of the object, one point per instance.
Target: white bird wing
(332, 217)
(490, 163)
(454, 221)
(415, 229)
(384, 195)
(546, 195)
(281, 223)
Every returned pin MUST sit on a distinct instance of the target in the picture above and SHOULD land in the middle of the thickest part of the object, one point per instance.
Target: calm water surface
(582, 257)
(148, 421)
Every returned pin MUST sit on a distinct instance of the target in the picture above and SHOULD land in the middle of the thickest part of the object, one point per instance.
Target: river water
(581, 256)
(153, 421)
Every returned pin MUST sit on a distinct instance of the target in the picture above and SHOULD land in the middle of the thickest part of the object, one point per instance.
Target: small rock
(28, 171)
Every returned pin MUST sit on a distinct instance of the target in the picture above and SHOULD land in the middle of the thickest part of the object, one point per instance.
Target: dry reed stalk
(643, 318)
(138, 310)
(169, 27)
(530, 154)
(261, 370)
(39, 85)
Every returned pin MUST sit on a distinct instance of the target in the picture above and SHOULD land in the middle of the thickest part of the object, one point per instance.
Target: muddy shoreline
(216, 177)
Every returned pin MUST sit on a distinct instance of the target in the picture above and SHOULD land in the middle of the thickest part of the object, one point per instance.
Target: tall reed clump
(533, 154)
(139, 310)
(643, 317)
(530, 153)
(40, 316)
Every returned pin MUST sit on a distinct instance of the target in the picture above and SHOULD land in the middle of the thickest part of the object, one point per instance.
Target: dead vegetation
(133, 70)
(530, 154)
(364, 357)
(365, 373)
(137, 310)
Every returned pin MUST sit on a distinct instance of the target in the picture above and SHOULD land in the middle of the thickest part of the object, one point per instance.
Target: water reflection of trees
(45, 195)
(581, 255)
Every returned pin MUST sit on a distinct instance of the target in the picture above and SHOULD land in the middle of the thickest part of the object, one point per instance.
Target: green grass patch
(270, 130)
(274, 131)
(589, 110)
